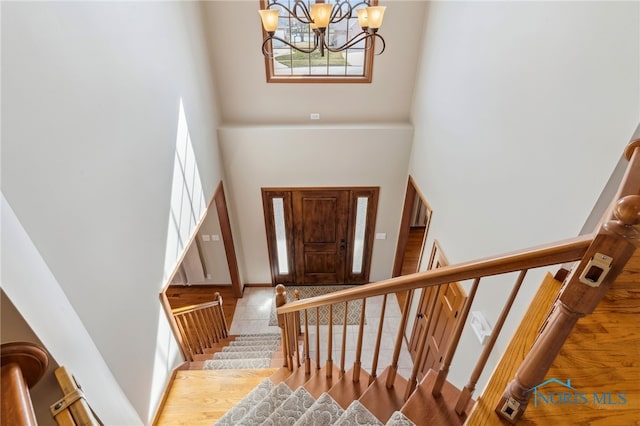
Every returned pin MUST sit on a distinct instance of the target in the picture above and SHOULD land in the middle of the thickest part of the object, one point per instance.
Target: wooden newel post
(23, 365)
(281, 299)
(225, 332)
(585, 286)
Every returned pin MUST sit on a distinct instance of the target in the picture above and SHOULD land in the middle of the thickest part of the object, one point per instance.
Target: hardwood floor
(200, 397)
(182, 295)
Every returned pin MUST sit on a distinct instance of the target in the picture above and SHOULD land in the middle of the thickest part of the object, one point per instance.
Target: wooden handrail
(191, 308)
(550, 254)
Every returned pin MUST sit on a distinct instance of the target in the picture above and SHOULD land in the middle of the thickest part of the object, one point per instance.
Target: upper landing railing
(601, 256)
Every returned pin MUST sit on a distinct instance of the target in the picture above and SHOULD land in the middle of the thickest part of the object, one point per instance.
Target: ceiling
(235, 37)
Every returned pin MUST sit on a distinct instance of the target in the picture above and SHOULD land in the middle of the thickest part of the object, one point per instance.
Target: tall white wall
(90, 103)
(521, 112)
(306, 156)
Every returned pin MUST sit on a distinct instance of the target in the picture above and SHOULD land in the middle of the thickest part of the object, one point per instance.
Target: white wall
(522, 110)
(90, 97)
(247, 99)
(38, 297)
(256, 157)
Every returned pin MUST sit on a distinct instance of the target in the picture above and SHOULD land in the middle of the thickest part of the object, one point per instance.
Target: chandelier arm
(362, 36)
(339, 14)
(305, 11)
(269, 53)
(293, 12)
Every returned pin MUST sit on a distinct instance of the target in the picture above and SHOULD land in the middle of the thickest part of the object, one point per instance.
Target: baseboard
(165, 392)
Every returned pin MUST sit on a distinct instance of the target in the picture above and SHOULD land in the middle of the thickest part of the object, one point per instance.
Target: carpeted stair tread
(240, 355)
(291, 409)
(262, 410)
(399, 419)
(233, 416)
(357, 414)
(269, 336)
(254, 343)
(325, 411)
(236, 364)
(256, 348)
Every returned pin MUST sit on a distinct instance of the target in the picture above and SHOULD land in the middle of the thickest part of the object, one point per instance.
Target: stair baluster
(329, 364)
(307, 357)
(318, 338)
(295, 332)
(376, 351)
(344, 339)
(393, 370)
(358, 362)
(467, 391)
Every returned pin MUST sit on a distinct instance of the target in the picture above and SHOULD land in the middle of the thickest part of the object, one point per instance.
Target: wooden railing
(601, 255)
(522, 261)
(200, 327)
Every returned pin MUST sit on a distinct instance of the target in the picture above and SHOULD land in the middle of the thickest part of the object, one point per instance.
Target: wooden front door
(444, 311)
(320, 235)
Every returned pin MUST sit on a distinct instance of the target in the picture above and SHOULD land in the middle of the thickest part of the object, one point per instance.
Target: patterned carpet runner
(353, 308)
(273, 405)
(245, 352)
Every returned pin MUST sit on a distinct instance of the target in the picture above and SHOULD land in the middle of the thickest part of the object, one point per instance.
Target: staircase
(271, 404)
(298, 397)
(317, 391)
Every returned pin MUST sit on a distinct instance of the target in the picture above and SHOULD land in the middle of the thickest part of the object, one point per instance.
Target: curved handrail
(550, 254)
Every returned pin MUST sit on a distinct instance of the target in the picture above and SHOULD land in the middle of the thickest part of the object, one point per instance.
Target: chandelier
(319, 16)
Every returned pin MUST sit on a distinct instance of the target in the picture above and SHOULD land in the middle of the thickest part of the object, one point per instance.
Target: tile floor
(252, 316)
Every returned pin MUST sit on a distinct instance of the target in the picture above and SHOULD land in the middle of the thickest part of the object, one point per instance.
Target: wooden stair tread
(319, 383)
(298, 377)
(280, 375)
(383, 402)
(423, 408)
(346, 390)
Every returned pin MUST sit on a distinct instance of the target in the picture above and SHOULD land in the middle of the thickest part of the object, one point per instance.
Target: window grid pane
(287, 62)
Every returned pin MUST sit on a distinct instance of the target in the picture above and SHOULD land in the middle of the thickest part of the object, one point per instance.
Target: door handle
(342, 244)
(420, 315)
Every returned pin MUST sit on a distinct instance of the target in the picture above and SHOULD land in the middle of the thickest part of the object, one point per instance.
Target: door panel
(326, 236)
(320, 233)
(450, 300)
